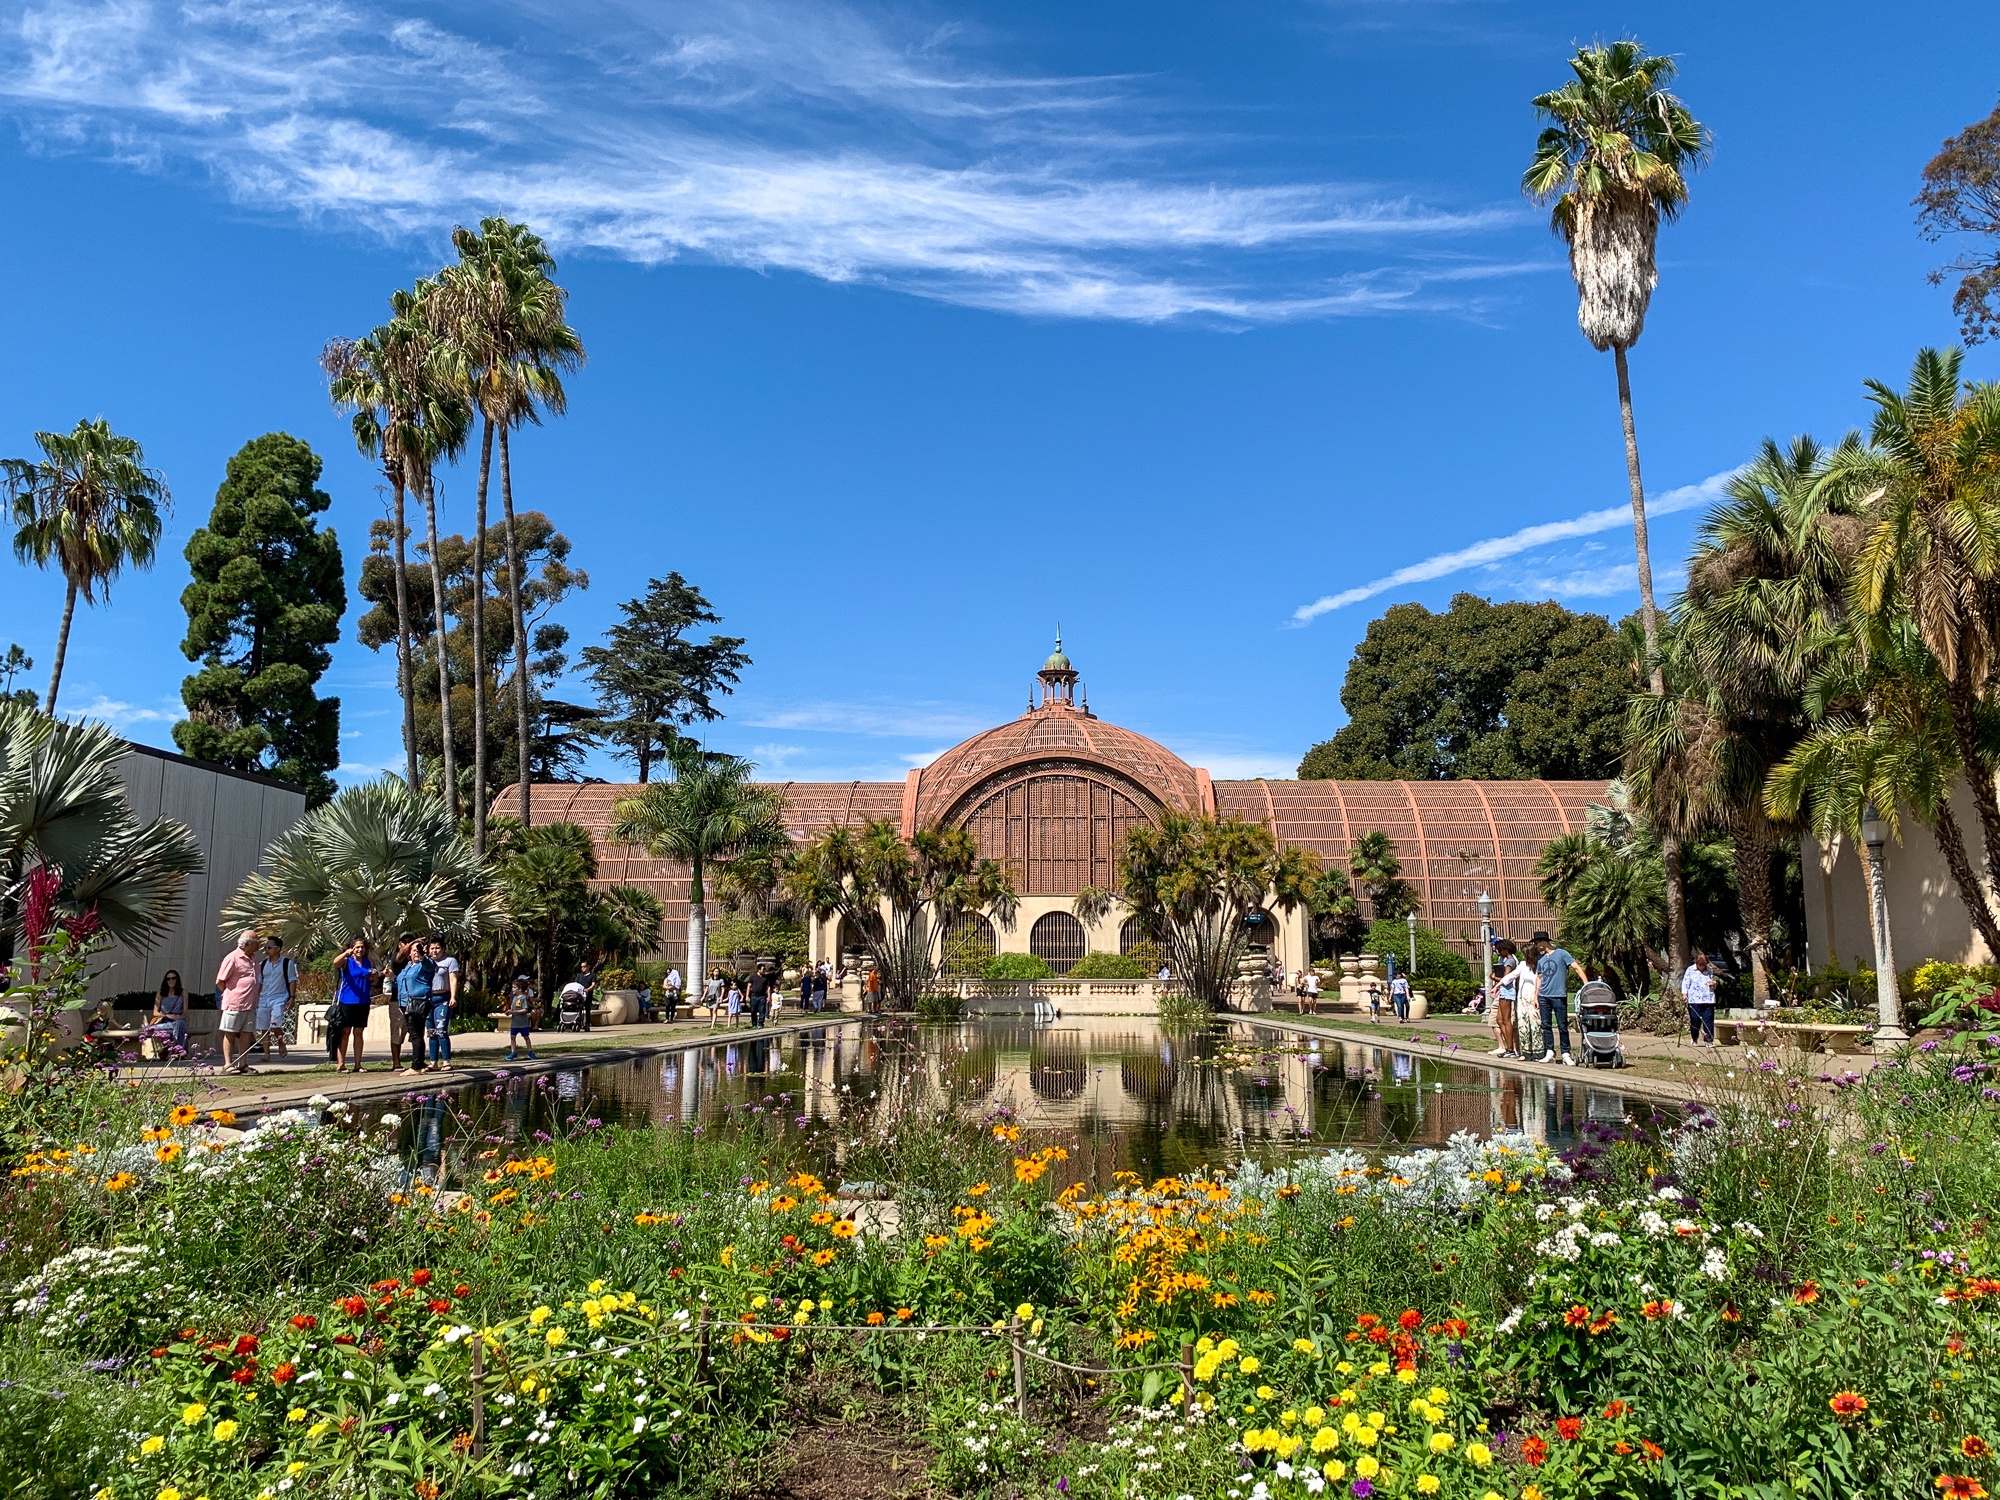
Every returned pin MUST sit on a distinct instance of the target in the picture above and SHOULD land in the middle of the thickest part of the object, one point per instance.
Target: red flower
(420, 1278)
(1621, 1449)
(1730, 1313)
(1378, 1335)
(1847, 1405)
(354, 1307)
(1534, 1452)
(1654, 1310)
(1410, 1320)
(1603, 1322)
(245, 1344)
(385, 1286)
(1615, 1410)
(781, 1334)
(1576, 1317)
(1974, 1447)
(285, 1373)
(1366, 1320)
(343, 1338)
(461, 1290)
(439, 1305)
(159, 1354)
(245, 1375)
(1569, 1428)
(1806, 1293)
(303, 1321)
(1454, 1328)
(1961, 1486)
(1650, 1451)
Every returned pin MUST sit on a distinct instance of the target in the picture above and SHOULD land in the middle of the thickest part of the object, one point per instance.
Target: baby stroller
(1597, 1020)
(570, 1006)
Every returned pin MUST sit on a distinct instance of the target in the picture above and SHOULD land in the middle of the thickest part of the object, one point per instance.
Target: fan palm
(63, 807)
(1613, 160)
(1929, 478)
(378, 860)
(709, 811)
(90, 505)
(502, 316)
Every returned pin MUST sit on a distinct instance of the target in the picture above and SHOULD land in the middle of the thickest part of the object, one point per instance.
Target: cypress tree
(263, 609)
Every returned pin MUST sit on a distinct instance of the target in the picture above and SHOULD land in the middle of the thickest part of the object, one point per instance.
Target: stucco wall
(233, 817)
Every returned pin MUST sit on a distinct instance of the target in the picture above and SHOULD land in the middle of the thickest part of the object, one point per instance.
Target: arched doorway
(1058, 939)
(969, 940)
(1131, 935)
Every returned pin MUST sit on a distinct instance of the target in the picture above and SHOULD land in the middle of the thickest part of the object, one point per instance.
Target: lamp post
(1889, 1033)
(1486, 949)
(1412, 920)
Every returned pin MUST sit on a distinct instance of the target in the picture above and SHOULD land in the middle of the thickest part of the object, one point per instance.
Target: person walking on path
(277, 976)
(670, 993)
(1374, 1002)
(355, 991)
(236, 998)
(521, 1016)
(170, 1010)
(1698, 989)
(1553, 966)
(761, 984)
(1399, 995)
(734, 1002)
(444, 1005)
(820, 980)
(413, 999)
(1506, 1000)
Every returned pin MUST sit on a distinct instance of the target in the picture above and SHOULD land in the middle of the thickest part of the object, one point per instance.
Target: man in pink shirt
(236, 996)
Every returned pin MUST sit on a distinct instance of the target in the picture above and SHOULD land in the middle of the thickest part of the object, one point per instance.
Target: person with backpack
(277, 976)
(413, 1003)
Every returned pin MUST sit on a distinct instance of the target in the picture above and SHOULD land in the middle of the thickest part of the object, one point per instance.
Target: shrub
(1110, 966)
(1447, 997)
(757, 937)
(1433, 957)
(1015, 966)
(938, 1007)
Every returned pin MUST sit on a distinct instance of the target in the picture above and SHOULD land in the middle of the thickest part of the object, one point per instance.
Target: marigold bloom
(904, 1314)
(1410, 1320)
(875, 1320)
(285, 1373)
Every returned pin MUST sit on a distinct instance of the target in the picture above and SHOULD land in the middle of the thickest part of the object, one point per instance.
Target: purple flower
(1362, 1488)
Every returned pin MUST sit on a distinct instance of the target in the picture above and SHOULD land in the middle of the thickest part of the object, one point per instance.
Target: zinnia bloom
(1615, 1410)
(1534, 1452)
(285, 1372)
(1569, 1428)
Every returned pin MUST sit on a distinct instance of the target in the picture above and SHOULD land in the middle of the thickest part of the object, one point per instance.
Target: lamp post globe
(1889, 1033)
(1412, 920)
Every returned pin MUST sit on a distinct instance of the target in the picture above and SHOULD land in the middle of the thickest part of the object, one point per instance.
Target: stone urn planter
(616, 1008)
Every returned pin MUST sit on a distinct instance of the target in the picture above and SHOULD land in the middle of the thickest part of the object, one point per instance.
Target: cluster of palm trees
(484, 343)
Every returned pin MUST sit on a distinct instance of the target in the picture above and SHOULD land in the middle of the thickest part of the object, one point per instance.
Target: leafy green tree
(1435, 958)
(263, 609)
(1192, 882)
(652, 680)
(1503, 692)
(900, 898)
(12, 665)
(1378, 870)
(1961, 195)
(706, 815)
(546, 878)
(89, 505)
(63, 807)
(1612, 904)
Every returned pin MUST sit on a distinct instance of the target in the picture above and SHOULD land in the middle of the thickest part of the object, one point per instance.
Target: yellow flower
(1478, 1455)
(294, 1469)
(1303, 1346)
(184, 1114)
(1380, 1367)
(1251, 1365)
(224, 1431)
(1439, 1395)
(1314, 1416)
(117, 1182)
(843, 1229)
(555, 1336)
(728, 1254)
(152, 1445)
(192, 1413)
(1407, 1376)
(760, 1303)
(1428, 1484)
(168, 1493)
(1334, 1470)
(1025, 1310)
(222, 1116)
(1365, 1436)
(1441, 1442)
(1367, 1466)
(595, 1287)
(539, 1316)
(167, 1152)
(296, 1414)
(319, 1429)
(1265, 1393)
(1325, 1440)
(1343, 1368)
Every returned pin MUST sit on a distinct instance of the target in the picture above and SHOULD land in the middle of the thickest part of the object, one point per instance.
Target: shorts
(239, 1020)
(352, 1017)
(399, 1024)
(272, 1016)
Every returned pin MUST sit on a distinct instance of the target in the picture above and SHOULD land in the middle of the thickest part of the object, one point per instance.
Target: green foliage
(939, 1007)
(1015, 966)
(263, 608)
(546, 876)
(651, 680)
(1957, 198)
(1434, 956)
(1379, 873)
(1502, 691)
(1111, 966)
(774, 937)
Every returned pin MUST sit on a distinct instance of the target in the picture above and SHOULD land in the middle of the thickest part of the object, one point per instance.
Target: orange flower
(1410, 1320)
(184, 1114)
(1534, 1452)
(1289, 1191)
(1654, 1310)
(1730, 1313)
(1621, 1449)
(843, 1230)
(1974, 1447)
(285, 1373)
(822, 1257)
(1603, 1322)
(1806, 1293)
(904, 1314)
(874, 1320)
(1615, 1410)
(1652, 1452)
(1847, 1405)
(1569, 1429)
(1961, 1486)
(427, 1489)
(1576, 1317)
(1262, 1299)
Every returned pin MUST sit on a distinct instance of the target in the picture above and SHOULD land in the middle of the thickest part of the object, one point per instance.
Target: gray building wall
(234, 816)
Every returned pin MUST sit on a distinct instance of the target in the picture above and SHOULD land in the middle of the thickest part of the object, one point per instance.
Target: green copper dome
(1057, 662)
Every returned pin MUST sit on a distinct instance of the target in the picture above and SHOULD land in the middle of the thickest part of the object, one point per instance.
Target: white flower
(1715, 1265)
(456, 1332)
(1512, 1321)
(1605, 1240)
(390, 1122)
(638, 1425)
(318, 1101)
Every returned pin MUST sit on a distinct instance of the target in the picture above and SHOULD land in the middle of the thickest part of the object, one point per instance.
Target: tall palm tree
(502, 315)
(706, 814)
(63, 807)
(1613, 160)
(90, 505)
(1930, 480)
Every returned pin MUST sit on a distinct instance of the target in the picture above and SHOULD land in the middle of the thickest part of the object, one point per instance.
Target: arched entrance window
(1057, 938)
(1131, 935)
(1057, 831)
(1263, 930)
(969, 940)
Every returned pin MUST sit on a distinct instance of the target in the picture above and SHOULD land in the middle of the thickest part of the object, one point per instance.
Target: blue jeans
(1701, 1018)
(1555, 1023)
(437, 1031)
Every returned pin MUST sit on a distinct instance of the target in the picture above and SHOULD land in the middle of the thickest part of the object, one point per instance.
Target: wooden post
(1020, 1368)
(478, 1394)
(1187, 1381)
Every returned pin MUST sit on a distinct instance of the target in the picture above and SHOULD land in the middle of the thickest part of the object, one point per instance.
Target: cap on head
(1539, 937)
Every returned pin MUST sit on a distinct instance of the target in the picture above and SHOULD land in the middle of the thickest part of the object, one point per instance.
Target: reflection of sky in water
(1117, 1090)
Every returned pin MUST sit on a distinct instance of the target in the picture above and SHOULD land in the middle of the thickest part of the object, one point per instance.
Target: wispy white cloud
(761, 133)
(120, 715)
(1527, 539)
(888, 720)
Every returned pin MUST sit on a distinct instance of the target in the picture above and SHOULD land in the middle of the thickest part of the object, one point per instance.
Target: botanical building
(1052, 794)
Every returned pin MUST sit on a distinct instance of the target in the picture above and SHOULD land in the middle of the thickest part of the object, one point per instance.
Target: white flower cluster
(1464, 1171)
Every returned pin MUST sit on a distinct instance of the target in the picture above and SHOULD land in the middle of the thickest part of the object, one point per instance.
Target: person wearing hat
(521, 1015)
(1552, 971)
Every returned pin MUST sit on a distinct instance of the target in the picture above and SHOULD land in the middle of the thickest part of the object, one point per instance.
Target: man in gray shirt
(1552, 971)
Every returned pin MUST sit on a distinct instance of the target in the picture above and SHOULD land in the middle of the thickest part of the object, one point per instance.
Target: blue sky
(1207, 330)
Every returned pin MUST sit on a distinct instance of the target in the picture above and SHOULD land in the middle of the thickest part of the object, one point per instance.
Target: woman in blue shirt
(351, 1002)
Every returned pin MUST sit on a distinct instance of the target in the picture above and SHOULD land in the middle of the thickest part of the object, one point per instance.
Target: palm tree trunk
(479, 647)
(520, 627)
(697, 954)
(1978, 774)
(405, 683)
(62, 645)
(1649, 621)
(443, 654)
(1753, 899)
(1951, 842)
